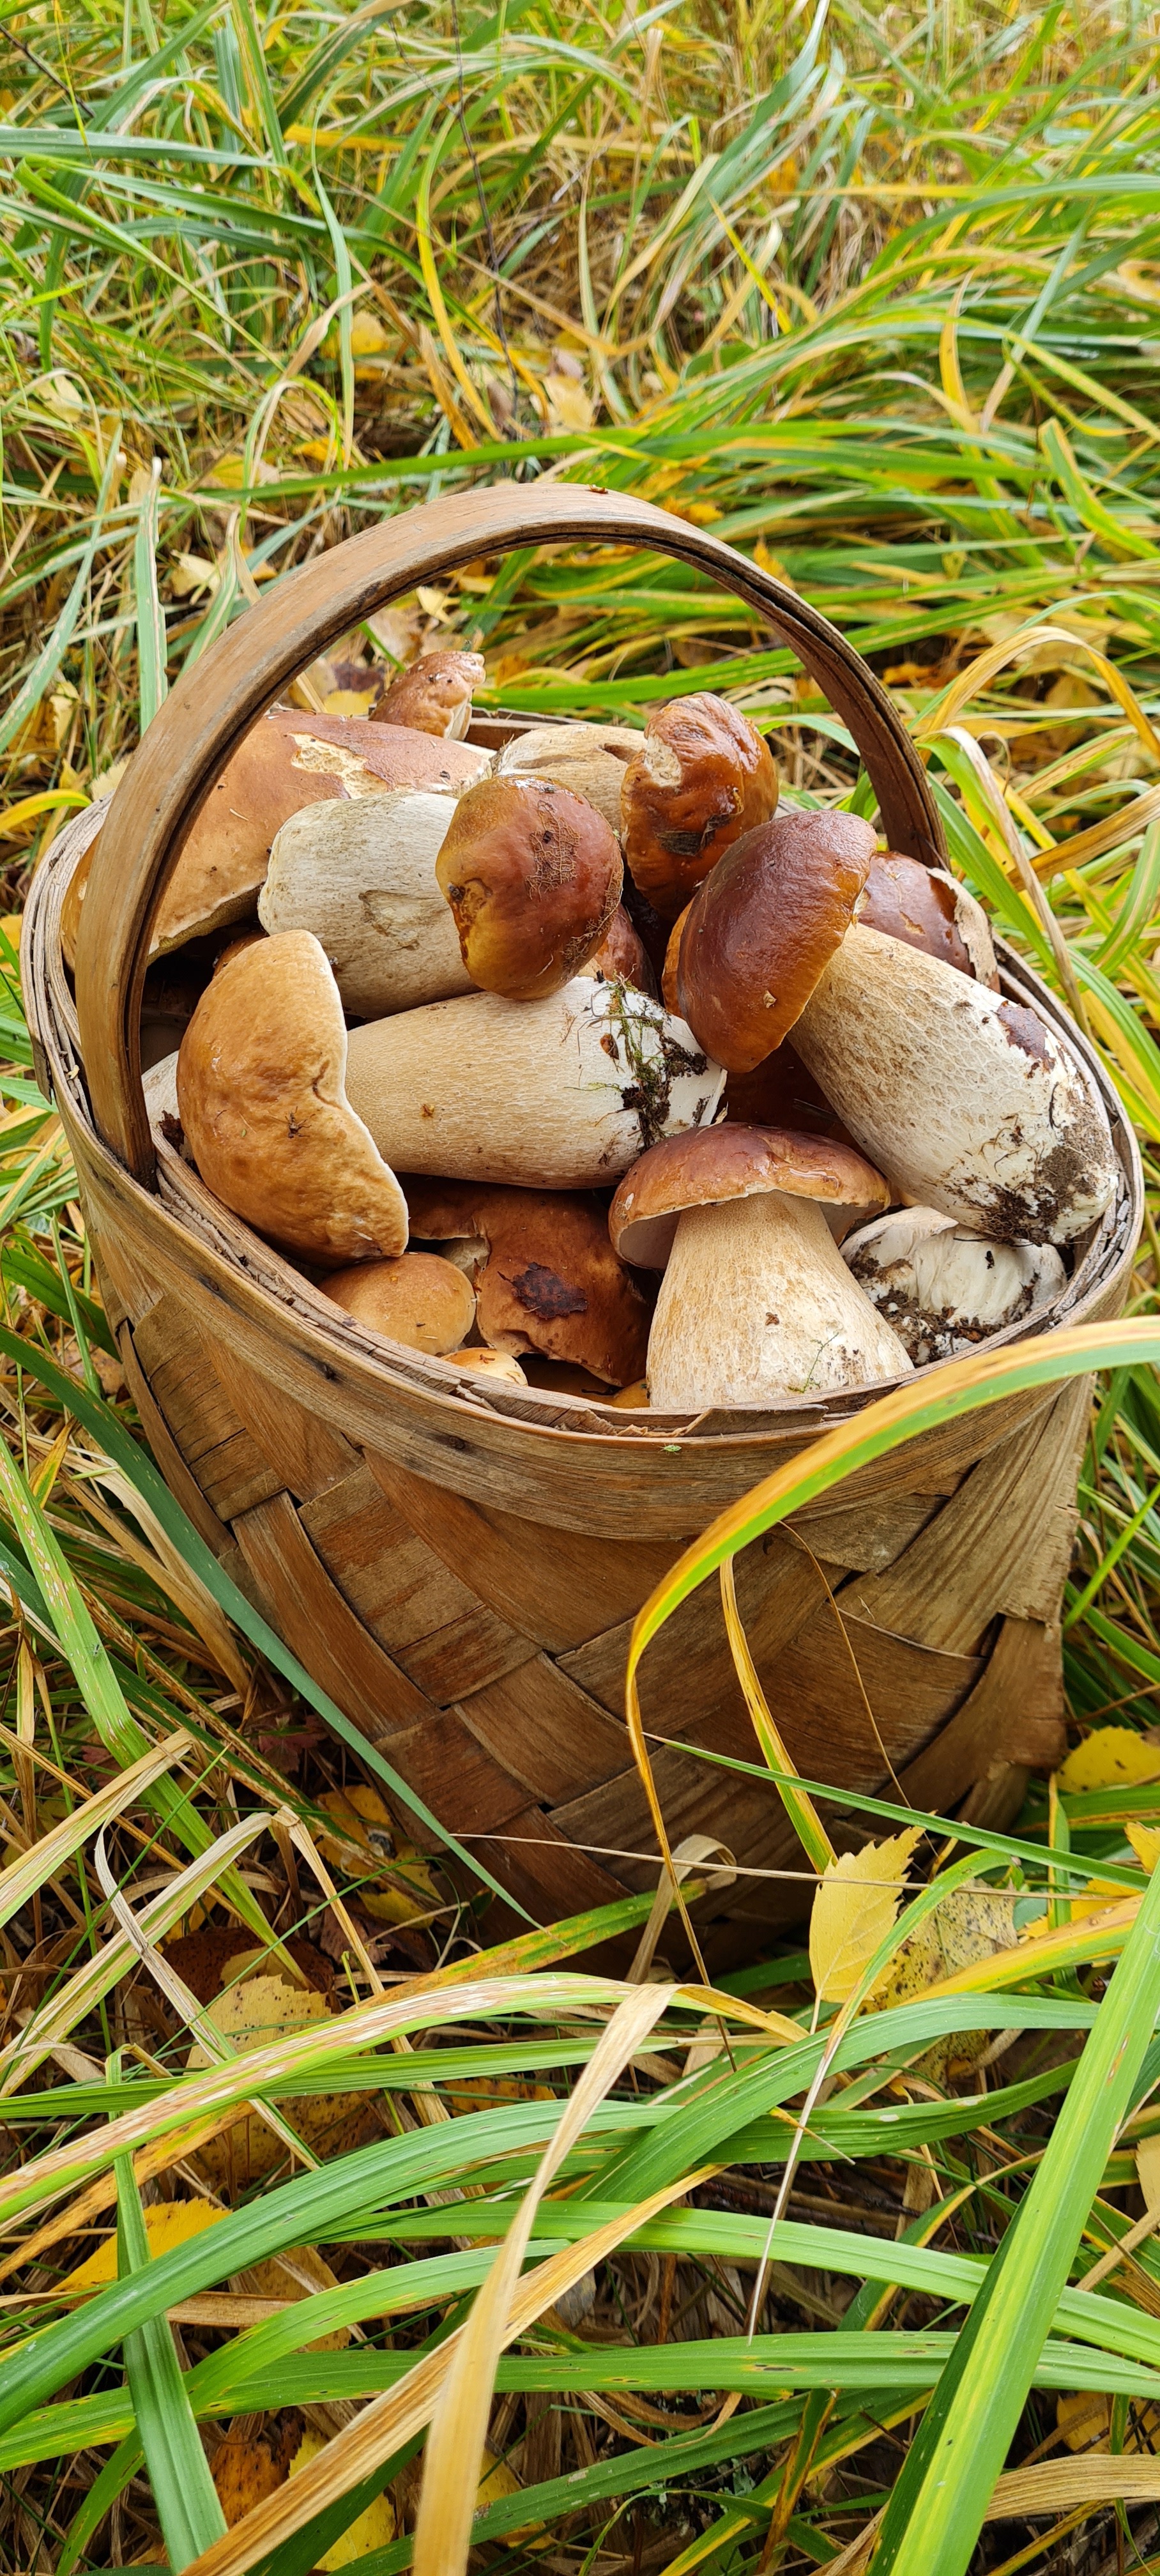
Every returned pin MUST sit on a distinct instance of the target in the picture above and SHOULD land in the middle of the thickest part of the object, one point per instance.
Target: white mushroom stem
(944, 1290)
(559, 1094)
(969, 1102)
(757, 1304)
(361, 875)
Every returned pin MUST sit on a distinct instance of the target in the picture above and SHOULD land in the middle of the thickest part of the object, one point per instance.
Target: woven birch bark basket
(459, 1565)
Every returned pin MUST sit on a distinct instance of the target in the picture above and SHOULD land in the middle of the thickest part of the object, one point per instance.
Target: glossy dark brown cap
(703, 775)
(710, 1165)
(906, 900)
(533, 876)
(764, 927)
(622, 957)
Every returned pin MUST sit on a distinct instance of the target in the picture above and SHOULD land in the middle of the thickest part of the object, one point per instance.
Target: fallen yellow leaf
(853, 1910)
(374, 2529)
(167, 2223)
(1108, 1757)
(1145, 1842)
(363, 1818)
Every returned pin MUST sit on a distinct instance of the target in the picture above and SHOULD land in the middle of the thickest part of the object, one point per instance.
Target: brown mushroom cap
(702, 777)
(551, 1282)
(285, 761)
(908, 901)
(497, 1364)
(261, 1099)
(714, 1164)
(669, 984)
(533, 876)
(622, 957)
(782, 1092)
(419, 1300)
(434, 694)
(763, 928)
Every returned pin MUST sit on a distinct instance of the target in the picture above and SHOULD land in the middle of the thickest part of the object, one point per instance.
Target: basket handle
(214, 704)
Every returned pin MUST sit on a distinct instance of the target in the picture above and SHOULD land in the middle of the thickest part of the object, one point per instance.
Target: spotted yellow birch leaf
(1108, 1757)
(853, 1910)
(1145, 1842)
(374, 2529)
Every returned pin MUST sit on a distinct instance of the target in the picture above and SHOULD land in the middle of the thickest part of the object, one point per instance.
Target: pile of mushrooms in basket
(587, 1064)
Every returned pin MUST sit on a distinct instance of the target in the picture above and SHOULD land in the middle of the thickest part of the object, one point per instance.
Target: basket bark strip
(459, 1565)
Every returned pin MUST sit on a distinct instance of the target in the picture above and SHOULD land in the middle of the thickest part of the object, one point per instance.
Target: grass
(874, 294)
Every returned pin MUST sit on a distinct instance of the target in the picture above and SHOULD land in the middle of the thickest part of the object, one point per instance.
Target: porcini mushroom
(760, 930)
(928, 908)
(261, 1101)
(548, 1279)
(433, 695)
(756, 1302)
(622, 957)
(533, 877)
(970, 1102)
(702, 776)
(287, 760)
(561, 1094)
(362, 878)
(942, 1289)
(590, 759)
(419, 1300)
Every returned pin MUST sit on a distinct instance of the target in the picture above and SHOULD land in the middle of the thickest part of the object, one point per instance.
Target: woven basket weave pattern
(459, 1566)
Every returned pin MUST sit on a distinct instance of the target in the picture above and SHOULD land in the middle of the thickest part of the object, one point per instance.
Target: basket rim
(296, 1307)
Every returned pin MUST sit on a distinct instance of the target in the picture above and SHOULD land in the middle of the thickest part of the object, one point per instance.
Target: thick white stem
(560, 1094)
(967, 1102)
(757, 1304)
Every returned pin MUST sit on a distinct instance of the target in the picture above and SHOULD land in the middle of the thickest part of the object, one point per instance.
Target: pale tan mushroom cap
(710, 1165)
(434, 694)
(551, 1282)
(260, 1078)
(287, 760)
(419, 1300)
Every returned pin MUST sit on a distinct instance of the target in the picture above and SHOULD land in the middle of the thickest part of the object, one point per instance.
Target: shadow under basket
(459, 1565)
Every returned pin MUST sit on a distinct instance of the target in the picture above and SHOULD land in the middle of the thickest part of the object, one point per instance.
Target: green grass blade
(183, 2490)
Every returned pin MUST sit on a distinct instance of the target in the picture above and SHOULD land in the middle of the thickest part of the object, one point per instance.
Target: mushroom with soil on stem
(362, 877)
(545, 1276)
(419, 1300)
(942, 1289)
(756, 1303)
(433, 694)
(590, 759)
(561, 1094)
(971, 1103)
(702, 776)
(265, 1115)
(533, 877)
(287, 760)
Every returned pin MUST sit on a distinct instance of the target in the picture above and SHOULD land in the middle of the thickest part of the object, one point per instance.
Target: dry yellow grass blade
(946, 710)
(54, 1848)
(389, 2422)
(1053, 2485)
(455, 2446)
